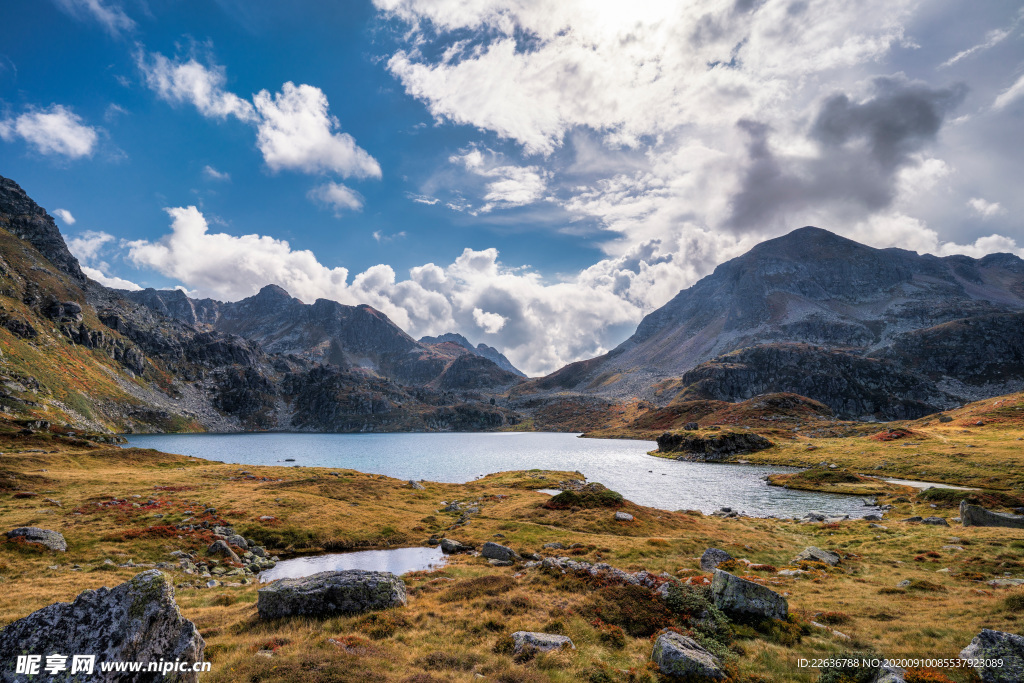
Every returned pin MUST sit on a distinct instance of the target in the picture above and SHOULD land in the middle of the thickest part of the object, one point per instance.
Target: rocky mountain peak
(22, 217)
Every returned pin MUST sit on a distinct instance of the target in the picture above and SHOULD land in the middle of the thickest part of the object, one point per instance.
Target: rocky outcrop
(52, 540)
(975, 515)
(135, 621)
(813, 554)
(712, 557)
(711, 447)
(23, 218)
(739, 597)
(997, 645)
(539, 642)
(343, 592)
(678, 656)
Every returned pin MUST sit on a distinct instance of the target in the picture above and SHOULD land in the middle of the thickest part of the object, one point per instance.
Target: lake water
(394, 560)
(621, 465)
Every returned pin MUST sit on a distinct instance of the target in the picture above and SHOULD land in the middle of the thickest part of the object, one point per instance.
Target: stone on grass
(994, 645)
(44, 537)
(737, 596)
(222, 549)
(449, 546)
(812, 554)
(677, 656)
(343, 592)
(623, 517)
(135, 621)
(713, 557)
(539, 642)
(975, 515)
(413, 484)
(935, 521)
(237, 540)
(495, 551)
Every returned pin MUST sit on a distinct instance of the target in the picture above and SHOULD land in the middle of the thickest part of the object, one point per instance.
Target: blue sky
(535, 175)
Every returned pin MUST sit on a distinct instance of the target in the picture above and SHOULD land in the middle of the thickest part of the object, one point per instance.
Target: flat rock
(935, 521)
(343, 592)
(539, 642)
(713, 557)
(135, 621)
(677, 656)
(975, 515)
(44, 537)
(449, 546)
(623, 517)
(734, 595)
(997, 645)
(813, 554)
(495, 551)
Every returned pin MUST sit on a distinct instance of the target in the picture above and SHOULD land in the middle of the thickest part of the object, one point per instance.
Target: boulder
(975, 515)
(449, 546)
(135, 621)
(623, 517)
(812, 554)
(237, 540)
(737, 596)
(691, 426)
(713, 557)
(539, 642)
(413, 484)
(44, 537)
(494, 551)
(989, 645)
(935, 521)
(351, 591)
(677, 656)
(222, 549)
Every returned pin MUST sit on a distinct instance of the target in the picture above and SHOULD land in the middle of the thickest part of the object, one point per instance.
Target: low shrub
(635, 609)
(833, 618)
(592, 495)
(479, 586)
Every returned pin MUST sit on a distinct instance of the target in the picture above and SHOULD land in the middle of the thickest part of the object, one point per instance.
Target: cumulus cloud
(88, 247)
(488, 322)
(181, 82)
(110, 16)
(65, 216)
(338, 196)
(107, 281)
(297, 132)
(506, 186)
(985, 208)
(210, 173)
(55, 130)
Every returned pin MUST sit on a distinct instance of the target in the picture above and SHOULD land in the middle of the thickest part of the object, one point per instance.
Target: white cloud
(86, 246)
(985, 208)
(338, 196)
(112, 17)
(211, 173)
(992, 38)
(297, 132)
(1012, 93)
(506, 185)
(65, 216)
(381, 237)
(488, 322)
(112, 282)
(194, 83)
(54, 130)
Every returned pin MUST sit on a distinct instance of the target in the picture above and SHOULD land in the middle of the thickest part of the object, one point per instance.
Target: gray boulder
(44, 537)
(539, 642)
(413, 484)
(935, 521)
(135, 621)
(812, 554)
(997, 645)
(623, 517)
(237, 540)
(713, 557)
(345, 592)
(975, 515)
(222, 549)
(494, 551)
(889, 674)
(449, 546)
(680, 657)
(734, 595)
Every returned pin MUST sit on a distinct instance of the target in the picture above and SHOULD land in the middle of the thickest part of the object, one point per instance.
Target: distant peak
(274, 292)
(802, 240)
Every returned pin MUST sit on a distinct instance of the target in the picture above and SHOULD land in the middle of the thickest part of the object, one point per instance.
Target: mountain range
(870, 333)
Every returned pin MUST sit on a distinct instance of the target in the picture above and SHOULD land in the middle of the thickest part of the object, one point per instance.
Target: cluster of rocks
(464, 510)
(712, 447)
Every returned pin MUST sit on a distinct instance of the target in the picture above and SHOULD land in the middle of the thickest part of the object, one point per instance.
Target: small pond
(394, 560)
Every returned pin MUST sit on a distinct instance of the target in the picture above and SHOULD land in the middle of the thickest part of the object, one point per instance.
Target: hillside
(872, 333)
(80, 354)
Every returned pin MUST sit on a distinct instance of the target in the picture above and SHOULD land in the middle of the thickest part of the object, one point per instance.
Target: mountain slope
(905, 333)
(75, 352)
(489, 352)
